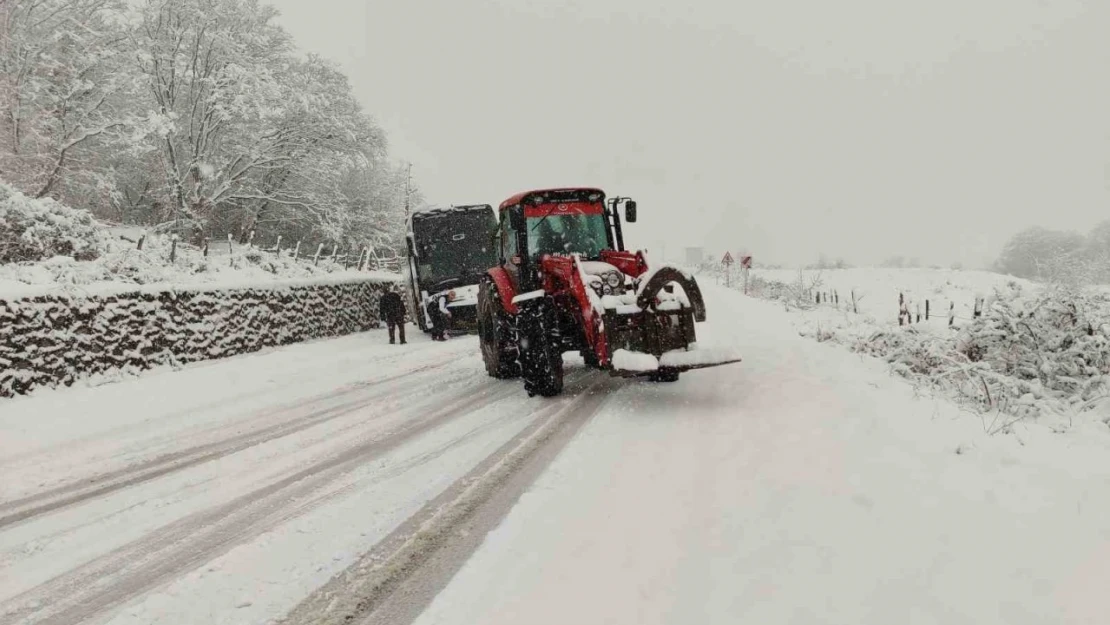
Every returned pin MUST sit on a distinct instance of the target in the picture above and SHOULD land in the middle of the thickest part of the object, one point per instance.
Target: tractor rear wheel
(498, 350)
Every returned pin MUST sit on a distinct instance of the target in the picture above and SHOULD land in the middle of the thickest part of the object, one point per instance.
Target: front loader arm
(566, 274)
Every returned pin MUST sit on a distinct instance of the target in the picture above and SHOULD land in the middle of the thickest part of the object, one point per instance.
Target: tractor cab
(559, 223)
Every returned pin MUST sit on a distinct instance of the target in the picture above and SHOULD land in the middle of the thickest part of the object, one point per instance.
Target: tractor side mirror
(630, 211)
(516, 218)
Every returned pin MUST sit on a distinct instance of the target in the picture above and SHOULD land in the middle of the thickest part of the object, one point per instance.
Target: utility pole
(408, 183)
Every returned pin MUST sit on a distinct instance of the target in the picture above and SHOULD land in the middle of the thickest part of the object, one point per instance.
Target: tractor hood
(597, 267)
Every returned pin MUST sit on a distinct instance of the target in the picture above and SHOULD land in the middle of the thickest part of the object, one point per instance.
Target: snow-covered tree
(65, 94)
(209, 67)
(1097, 251)
(258, 139)
(1038, 252)
(198, 116)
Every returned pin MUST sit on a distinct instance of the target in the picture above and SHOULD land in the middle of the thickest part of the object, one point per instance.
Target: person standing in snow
(437, 310)
(392, 312)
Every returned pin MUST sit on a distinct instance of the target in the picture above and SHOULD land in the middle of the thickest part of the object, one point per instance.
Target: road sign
(746, 262)
(727, 260)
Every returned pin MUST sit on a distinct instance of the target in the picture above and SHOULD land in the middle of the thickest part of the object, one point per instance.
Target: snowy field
(877, 290)
(389, 484)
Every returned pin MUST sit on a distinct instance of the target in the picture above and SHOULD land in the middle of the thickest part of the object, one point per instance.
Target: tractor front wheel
(541, 359)
(494, 335)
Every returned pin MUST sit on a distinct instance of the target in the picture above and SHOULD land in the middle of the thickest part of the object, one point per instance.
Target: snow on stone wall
(50, 340)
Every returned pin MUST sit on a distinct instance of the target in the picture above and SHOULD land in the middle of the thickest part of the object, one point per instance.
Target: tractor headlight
(596, 284)
(614, 279)
(606, 289)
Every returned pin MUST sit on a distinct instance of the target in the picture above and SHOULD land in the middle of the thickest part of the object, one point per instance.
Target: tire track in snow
(130, 571)
(27, 508)
(394, 581)
(381, 362)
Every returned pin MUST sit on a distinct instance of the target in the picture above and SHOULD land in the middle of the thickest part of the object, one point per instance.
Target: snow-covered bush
(120, 261)
(1028, 355)
(1055, 341)
(798, 294)
(39, 229)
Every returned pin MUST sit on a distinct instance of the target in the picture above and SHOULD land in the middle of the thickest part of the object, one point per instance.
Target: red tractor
(565, 283)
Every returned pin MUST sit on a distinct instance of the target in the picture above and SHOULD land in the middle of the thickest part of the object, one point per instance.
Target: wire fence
(922, 311)
(364, 258)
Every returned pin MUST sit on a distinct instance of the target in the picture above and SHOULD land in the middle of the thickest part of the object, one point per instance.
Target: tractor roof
(438, 211)
(519, 197)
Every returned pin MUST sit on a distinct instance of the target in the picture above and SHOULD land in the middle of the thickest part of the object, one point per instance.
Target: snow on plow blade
(628, 364)
(645, 342)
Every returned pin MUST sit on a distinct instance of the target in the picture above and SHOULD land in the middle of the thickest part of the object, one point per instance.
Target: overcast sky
(858, 128)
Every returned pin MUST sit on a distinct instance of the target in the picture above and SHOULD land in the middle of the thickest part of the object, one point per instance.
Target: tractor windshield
(568, 234)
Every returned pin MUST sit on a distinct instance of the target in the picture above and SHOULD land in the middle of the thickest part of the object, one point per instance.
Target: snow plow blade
(629, 364)
(659, 342)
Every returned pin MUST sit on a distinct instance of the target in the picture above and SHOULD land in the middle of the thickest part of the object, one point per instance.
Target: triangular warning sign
(727, 260)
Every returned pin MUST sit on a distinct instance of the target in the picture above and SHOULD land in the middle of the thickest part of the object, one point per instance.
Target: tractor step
(628, 364)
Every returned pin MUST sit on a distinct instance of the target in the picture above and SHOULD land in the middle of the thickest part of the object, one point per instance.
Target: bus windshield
(455, 248)
(567, 234)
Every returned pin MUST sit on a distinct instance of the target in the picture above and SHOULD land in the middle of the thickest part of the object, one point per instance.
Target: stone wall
(56, 340)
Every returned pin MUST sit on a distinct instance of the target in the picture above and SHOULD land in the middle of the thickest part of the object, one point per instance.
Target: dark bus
(449, 249)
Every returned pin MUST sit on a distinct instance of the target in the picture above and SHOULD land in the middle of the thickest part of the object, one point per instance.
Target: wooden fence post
(250, 239)
(142, 237)
(978, 312)
(206, 247)
(926, 310)
(173, 249)
(855, 305)
(229, 248)
(297, 251)
(316, 258)
(277, 248)
(951, 313)
(917, 307)
(903, 310)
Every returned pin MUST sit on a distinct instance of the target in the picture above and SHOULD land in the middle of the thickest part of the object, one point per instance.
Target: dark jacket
(391, 307)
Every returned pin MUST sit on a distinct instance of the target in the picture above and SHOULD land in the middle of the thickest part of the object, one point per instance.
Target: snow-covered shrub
(120, 261)
(768, 289)
(54, 340)
(1055, 340)
(1027, 355)
(798, 294)
(38, 229)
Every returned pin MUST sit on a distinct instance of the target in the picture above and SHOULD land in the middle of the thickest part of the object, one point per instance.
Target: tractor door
(510, 245)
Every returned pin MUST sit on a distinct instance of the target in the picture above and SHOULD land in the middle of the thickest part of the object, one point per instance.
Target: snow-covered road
(389, 484)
